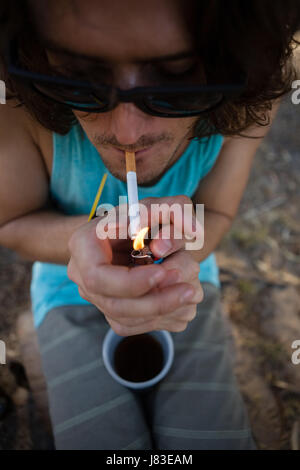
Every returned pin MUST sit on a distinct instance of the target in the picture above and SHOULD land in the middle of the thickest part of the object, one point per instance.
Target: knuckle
(179, 326)
(90, 281)
(119, 329)
(195, 268)
(185, 199)
(109, 305)
(72, 242)
(148, 201)
(70, 271)
(187, 314)
(82, 293)
(180, 302)
(200, 294)
(191, 313)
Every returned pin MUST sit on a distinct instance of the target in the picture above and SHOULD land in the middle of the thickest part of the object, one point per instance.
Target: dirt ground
(259, 263)
(260, 273)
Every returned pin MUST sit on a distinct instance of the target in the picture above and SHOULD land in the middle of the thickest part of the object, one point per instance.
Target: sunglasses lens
(73, 97)
(183, 103)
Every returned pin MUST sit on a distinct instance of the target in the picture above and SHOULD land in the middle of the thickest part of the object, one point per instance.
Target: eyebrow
(52, 46)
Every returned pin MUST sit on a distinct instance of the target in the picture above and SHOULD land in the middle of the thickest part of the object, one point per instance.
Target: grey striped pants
(196, 406)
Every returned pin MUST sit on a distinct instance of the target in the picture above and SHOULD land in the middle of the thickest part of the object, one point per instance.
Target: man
(60, 61)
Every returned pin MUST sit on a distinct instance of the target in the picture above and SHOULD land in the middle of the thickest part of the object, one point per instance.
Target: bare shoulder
(24, 180)
(18, 125)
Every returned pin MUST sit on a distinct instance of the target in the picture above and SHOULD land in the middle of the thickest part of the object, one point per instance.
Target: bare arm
(222, 189)
(42, 235)
(28, 224)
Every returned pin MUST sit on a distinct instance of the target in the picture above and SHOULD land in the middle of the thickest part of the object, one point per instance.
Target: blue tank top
(77, 170)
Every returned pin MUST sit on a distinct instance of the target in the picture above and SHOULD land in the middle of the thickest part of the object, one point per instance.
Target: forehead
(116, 30)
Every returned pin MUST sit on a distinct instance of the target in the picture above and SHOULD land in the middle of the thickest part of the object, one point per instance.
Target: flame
(138, 242)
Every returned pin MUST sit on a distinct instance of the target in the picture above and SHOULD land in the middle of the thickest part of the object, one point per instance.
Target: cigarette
(133, 199)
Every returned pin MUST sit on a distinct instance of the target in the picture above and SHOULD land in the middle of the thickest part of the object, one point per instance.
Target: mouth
(141, 153)
(138, 155)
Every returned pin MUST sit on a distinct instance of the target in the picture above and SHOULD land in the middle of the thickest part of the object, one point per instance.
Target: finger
(181, 314)
(167, 241)
(73, 272)
(186, 314)
(199, 295)
(84, 242)
(121, 281)
(127, 330)
(146, 327)
(177, 210)
(156, 303)
(172, 277)
(182, 262)
(131, 322)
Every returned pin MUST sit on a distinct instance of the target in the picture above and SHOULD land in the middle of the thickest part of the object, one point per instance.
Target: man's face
(121, 33)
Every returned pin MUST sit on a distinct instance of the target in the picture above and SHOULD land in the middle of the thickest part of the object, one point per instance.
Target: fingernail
(187, 295)
(156, 278)
(163, 246)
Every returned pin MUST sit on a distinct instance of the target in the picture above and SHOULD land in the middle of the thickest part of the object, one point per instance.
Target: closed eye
(171, 73)
(78, 69)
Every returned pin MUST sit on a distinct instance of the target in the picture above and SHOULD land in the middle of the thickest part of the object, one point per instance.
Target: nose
(128, 123)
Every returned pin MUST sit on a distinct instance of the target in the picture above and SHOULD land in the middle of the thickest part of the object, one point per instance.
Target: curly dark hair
(253, 38)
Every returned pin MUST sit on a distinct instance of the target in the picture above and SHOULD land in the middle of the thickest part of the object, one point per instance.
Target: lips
(139, 154)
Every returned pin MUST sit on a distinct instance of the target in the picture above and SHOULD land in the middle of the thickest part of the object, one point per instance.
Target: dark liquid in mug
(138, 358)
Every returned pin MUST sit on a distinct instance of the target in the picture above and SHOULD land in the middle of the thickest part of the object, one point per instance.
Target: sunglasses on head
(163, 101)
